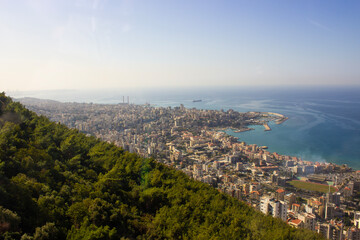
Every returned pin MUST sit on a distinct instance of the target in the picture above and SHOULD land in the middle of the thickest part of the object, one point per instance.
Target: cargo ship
(198, 100)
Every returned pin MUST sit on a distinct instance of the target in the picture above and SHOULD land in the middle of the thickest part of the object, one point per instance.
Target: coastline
(300, 136)
(284, 156)
(279, 119)
(243, 130)
(236, 130)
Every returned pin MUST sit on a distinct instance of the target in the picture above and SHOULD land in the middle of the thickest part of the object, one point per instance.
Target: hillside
(57, 183)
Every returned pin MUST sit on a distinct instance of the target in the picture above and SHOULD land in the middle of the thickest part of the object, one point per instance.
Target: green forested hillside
(57, 183)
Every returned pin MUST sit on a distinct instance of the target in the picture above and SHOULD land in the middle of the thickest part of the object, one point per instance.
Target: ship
(197, 100)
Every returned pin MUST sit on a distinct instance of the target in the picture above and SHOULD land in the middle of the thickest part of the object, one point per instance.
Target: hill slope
(56, 183)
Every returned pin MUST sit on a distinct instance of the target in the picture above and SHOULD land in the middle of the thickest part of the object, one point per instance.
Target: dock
(281, 120)
(266, 126)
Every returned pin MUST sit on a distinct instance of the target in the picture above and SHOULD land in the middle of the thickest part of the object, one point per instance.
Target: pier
(266, 126)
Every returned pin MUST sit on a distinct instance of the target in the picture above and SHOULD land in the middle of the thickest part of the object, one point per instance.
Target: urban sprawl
(323, 197)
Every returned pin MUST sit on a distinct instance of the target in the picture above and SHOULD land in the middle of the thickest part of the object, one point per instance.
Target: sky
(92, 44)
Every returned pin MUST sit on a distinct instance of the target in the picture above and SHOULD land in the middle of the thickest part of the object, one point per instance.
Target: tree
(9, 221)
(89, 231)
(56, 183)
(47, 232)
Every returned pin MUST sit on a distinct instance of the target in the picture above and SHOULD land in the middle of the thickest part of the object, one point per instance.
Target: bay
(323, 124)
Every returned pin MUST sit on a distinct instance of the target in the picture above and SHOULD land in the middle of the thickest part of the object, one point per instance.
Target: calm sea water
(323, 125)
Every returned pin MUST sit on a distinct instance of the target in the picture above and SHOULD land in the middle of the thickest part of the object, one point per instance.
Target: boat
(197, 100)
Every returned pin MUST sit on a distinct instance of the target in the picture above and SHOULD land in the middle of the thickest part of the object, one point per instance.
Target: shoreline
(281, 154)
(243, 130)
(235, 130)
(280, 118)
(280, 121)
(268, 128)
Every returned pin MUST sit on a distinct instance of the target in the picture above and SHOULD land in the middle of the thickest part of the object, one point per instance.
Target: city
(194, 141)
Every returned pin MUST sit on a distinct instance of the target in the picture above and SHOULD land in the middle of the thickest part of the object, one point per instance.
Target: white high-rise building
(308, 219)
(275, 208)
(357, 219)
(264, 205)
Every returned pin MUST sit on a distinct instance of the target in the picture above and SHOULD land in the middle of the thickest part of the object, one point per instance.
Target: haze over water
(323, 124)
(191, 45)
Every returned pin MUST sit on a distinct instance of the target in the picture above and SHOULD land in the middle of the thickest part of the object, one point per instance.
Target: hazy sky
(73, 44)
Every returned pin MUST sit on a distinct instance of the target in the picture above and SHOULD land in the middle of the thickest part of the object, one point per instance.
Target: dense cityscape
(319, 196)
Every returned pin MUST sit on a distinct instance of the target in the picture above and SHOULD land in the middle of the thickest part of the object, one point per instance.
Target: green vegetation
(56, 183)
(312, 186)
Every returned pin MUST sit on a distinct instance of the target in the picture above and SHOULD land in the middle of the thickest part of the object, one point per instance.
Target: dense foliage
(57, 183)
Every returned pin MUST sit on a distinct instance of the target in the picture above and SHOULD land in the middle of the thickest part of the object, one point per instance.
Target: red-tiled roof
(280, 190)
(296, 221)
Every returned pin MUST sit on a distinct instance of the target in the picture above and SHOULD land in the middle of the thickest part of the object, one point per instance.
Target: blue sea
(323, 124)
